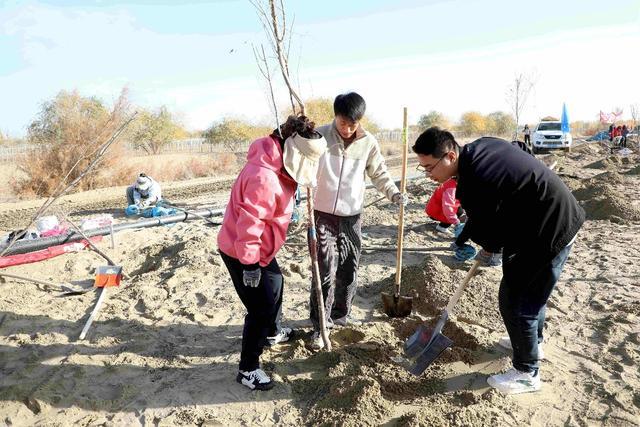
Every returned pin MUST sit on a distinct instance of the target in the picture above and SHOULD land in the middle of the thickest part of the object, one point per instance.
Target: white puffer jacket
(342, 172)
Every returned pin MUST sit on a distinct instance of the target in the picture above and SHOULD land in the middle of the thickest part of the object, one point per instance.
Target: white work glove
(251, 278)
(400, 199)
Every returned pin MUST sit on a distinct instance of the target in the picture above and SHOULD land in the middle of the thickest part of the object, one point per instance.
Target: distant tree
(433, 118)
(3, 139)
(518, 94)
(68, 118)
(153, 130)
(71, 129)
(230, 132)
(472, 123)
(635, 114)
(500, 123)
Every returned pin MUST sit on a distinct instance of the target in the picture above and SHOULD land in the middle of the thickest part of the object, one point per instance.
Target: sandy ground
(165, 347)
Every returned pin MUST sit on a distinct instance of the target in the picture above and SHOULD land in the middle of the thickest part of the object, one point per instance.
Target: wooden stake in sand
(103, 289)
(94, 313)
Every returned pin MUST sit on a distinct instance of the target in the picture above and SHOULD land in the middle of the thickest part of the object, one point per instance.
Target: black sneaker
(284, 335)
(255, 380)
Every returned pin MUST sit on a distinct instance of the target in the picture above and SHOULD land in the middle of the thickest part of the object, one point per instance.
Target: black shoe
(255, 380)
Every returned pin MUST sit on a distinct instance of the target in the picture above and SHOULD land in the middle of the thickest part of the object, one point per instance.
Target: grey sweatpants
(339, 246)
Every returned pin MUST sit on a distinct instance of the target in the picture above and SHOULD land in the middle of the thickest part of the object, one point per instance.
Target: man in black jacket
(514, 202)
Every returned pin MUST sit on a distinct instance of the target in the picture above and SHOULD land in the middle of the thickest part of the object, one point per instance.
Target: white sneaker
(444, 230)
(284, 335)
(316, 341)
(255, 380)
(505, 342)
(515, 382)
(344, 321)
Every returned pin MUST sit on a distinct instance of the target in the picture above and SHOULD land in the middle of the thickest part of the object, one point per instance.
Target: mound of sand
(604, 197)
(357, 384)
(611, 162)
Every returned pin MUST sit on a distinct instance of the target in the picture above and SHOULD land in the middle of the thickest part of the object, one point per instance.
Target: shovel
(396, 305)
(427, 344)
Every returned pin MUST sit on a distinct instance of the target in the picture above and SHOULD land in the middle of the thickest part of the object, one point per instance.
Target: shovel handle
(403, 187)
(456, 296)
(317, 287)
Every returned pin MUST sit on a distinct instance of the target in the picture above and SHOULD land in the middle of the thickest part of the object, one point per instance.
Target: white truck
(548, 134)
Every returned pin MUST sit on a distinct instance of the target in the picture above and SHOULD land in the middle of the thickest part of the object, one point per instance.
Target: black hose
(25, 246)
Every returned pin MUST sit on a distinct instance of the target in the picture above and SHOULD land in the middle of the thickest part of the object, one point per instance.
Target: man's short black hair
(435, 142)
(349, 105)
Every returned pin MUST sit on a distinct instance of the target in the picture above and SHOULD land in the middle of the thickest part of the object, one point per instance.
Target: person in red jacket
(444, 207)
(254, 229)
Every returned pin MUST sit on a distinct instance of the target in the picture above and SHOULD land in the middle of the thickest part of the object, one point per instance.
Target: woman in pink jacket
(254, 229)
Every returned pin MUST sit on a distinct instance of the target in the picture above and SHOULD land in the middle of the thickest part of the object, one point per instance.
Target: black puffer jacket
(513, 201)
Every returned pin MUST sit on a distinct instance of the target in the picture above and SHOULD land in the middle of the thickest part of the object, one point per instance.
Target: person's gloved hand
(464, 252)
(132, 210)
(400, 199)
(489, 259)
(251, 278)
(457, 229)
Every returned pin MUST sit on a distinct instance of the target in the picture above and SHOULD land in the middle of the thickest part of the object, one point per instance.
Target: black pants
(527, 139)
(130, 190)
(339, 246)
(264, 309)
(524, 291)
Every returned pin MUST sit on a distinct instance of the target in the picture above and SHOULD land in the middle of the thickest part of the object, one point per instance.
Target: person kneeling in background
(144, 193)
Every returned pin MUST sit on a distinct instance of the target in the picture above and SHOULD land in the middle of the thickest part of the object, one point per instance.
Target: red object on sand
(53, 251)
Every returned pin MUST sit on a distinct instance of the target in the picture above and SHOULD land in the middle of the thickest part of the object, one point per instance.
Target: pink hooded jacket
(255, 222)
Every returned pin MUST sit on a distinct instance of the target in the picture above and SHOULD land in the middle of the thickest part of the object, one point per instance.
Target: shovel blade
(438, 344)
(396, 306)
(417, 342)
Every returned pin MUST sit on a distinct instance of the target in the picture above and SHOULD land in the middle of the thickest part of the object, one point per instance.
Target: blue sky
(195, 57)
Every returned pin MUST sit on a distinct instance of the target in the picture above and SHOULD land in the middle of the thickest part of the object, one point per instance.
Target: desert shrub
(232, 133)
(472, 123)
(152, 130)
(69, 129)
(433, 118)
(500, 123)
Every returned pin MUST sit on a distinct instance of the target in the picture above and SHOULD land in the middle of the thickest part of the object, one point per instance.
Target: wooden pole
(403, 189)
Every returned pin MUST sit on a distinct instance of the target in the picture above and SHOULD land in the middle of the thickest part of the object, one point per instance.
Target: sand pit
(165, 347)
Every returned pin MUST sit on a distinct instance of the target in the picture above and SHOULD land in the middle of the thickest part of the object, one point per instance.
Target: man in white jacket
(144, 192)
(352, 155)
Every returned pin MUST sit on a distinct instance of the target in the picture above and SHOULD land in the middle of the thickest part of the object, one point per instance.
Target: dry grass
(162, 167)
(179, 167)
